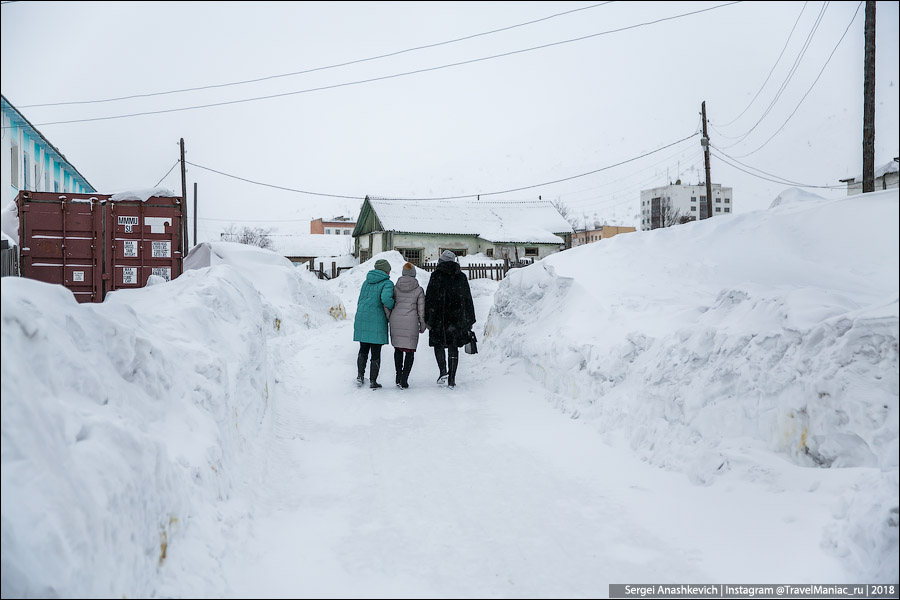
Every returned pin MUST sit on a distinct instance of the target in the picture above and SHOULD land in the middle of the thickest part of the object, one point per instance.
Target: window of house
(456, 251)
(27, 168)
(718, 209)
(489, 253)
(727, 209)
(727, 200)
(327, 230)
(346, 232)
(702, 198)
(14, 164)
(55, 185)
(413, 255)
(531, 251)
(693, 198)
(363, 255)
(694, 208)
(718, 200)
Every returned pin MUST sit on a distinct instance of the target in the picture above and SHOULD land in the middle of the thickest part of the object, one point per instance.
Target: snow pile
(9, 222)
(792, 195)
(292, 297)
(153, 398)
(779, 327)
(142, 195)
(478, 259)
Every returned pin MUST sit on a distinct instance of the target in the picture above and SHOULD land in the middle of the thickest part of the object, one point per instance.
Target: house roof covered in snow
(890, 167)
(535, 222)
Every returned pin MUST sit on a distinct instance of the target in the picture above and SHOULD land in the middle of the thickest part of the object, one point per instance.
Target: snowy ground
(205, 437)
(489, 491)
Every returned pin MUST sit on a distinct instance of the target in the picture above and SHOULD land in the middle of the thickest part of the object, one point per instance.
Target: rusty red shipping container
(93, 245)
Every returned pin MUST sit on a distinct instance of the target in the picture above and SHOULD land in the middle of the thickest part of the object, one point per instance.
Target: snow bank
(140, 408)
(151, 407)
(292, 297)
(779, 326)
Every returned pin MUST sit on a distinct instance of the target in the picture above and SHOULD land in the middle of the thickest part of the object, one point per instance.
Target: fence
(494, 271)
(10, 259)
(321, 273)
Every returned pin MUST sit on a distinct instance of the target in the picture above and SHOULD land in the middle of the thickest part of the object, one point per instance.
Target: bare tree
(673, 216)
(252, 236)
(567, 214)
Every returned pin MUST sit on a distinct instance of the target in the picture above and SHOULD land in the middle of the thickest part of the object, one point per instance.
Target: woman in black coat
(449, 314)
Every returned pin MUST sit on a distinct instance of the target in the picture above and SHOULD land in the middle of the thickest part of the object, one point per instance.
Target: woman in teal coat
(370, 327)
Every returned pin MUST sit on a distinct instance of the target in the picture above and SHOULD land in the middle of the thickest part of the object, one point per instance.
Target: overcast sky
(556, 93)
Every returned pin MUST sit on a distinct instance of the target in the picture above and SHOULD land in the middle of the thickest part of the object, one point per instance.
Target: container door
(58, 235)
(143, 239)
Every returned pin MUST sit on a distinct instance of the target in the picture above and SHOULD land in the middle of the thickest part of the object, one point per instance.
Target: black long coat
(449, 311)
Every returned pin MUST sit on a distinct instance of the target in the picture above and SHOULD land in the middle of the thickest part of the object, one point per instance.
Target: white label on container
(129, 275)
(77, 275)
(162, 249)
(130, 247)
(164, 272)
(123, 220)
(157, 224)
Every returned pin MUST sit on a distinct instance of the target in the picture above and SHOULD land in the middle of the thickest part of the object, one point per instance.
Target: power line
(167, 173)
(790, 35)
(395, 75)
(334, 66)
(721, 156)
(788, 78)
(810, 87)
(277, 187)
(518, 189)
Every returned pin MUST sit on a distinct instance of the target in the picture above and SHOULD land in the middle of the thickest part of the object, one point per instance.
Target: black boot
(373, 374)
(361, 368)
(398, 365)
(407, 367)
(442, 364)
(451, 379)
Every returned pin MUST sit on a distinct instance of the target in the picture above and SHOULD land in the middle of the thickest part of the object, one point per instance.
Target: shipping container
(93, 245)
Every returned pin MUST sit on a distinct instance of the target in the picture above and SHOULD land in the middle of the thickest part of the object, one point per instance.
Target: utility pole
(184, 209)
(195, 213)
(704, 141)
(868, 183)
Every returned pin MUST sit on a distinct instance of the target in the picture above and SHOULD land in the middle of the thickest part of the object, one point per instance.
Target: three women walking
(445, 309)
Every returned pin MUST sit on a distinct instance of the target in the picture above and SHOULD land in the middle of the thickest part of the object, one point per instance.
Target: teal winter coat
(376, 295)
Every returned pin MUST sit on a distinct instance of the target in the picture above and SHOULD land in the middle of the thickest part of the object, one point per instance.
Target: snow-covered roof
(311, 244)
(495, 221)
(890, 167)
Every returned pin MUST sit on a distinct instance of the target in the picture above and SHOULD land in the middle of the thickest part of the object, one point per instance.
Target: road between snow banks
(489, 491)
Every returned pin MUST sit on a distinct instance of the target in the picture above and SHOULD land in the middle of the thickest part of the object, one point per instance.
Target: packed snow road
(487, 490)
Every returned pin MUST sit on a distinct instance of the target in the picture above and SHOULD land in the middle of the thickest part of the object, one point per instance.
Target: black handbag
(471, 346)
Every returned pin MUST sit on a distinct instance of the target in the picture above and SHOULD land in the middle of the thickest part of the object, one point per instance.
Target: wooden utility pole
(704, 141)
(195, 213)
(868, 183)
(184, 206)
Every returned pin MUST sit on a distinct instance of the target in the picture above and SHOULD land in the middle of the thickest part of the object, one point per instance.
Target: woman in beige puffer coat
(407, 322)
